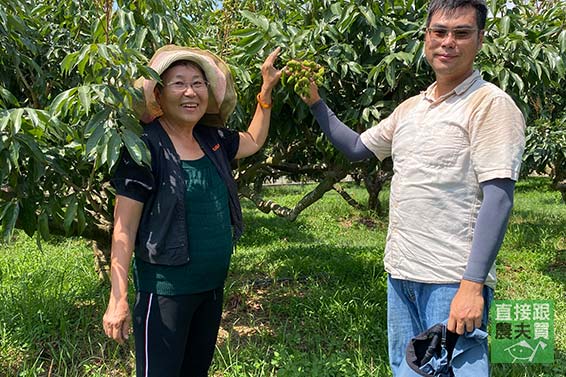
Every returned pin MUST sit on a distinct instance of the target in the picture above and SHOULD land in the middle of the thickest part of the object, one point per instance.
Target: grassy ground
(302, 298)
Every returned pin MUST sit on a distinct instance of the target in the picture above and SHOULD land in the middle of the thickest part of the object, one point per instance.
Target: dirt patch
(367, 222)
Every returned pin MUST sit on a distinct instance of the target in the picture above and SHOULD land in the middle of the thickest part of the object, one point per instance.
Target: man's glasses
(441, 33)
(181, 86)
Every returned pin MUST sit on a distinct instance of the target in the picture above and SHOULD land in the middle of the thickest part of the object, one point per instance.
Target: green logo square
(522, 331)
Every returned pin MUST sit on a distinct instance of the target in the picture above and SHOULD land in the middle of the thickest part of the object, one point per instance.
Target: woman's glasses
(181, 86)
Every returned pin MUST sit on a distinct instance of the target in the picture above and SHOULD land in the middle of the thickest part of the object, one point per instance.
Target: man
(456, 151)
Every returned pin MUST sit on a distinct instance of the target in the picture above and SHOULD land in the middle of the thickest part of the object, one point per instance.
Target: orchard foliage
(524, 53)
(66, 95)
(66, 105)
(372, 53)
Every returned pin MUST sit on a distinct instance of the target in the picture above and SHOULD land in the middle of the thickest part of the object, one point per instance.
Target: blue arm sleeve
(343, 137)
(490, 227)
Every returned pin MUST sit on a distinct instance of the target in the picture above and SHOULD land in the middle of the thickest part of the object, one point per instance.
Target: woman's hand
(270, 75)
(116, 320)
(127, 215)
(253, 139)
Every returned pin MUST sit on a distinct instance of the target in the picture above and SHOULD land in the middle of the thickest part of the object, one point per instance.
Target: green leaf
(70, 214)
(258, 20)
(140, 39)
(241, 33)
(404, 57)
(504, 24)
(16, 117)
(355, 67)
(14, 153)
(61, 101)
(343, 70)
(31, 145)
(9, 218)
(43, 225)
(562, 41)
(518, 81)
(134, 144)
(15, 23)
(5, 164)
(503, 79)
(98, 119)
(390, 75)
(369, 15)
(374, 74)
(84, 58)
(367, 97)
(254, 47)
(81, 220)
(95, 138)
(32, 114)
(132, 124)
(365, 115)
(84, 97)
(8, 96)
(114, 147)
(538, 69)
(28, 217)
(4, 119)
(103, 51)
(69, 62)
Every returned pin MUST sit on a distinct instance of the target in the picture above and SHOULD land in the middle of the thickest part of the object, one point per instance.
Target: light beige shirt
(441, 150)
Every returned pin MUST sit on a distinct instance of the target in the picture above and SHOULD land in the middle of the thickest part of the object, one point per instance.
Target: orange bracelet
(263, 104)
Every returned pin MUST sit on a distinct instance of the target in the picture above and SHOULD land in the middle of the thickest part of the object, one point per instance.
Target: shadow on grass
(537, 184)
(331, 264)
(262, 229)
(314, 297)
(531, 232)
(52, 312)
(57, 333)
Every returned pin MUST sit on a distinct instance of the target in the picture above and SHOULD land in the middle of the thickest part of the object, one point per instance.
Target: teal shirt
(210, 238)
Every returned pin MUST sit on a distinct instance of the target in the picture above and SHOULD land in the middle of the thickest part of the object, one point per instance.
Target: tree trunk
(375, 181)
(559, 178)
(101, 251)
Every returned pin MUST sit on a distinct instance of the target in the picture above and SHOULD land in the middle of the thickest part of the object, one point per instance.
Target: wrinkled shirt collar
(428, 94)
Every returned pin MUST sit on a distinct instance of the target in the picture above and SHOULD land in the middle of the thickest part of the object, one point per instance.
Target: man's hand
(313, 96)
(466, 310)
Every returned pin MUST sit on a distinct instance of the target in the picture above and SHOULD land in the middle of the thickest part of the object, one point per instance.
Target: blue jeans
(414, 307)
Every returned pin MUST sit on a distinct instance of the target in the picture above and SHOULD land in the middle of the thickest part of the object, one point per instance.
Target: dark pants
(175, 335)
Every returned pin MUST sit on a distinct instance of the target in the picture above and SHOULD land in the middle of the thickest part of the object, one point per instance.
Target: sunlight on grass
(302, 298)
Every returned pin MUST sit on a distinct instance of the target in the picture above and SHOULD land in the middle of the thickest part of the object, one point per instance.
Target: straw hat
(221, 93)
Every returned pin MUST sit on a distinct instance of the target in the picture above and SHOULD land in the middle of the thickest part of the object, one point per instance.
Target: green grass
(302, 298)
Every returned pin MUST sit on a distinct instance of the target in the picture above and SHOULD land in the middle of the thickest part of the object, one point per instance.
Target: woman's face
(184, 96)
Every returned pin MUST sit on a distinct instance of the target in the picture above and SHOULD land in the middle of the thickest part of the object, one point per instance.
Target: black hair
(450, 6)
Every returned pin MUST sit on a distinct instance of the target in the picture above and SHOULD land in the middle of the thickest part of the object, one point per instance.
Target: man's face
(452, 41)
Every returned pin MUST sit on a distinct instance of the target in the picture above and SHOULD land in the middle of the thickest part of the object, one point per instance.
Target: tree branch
(351, 201)
(291, 214)
(25, 83)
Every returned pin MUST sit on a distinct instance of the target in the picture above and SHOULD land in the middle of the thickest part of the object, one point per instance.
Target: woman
(182, 214)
